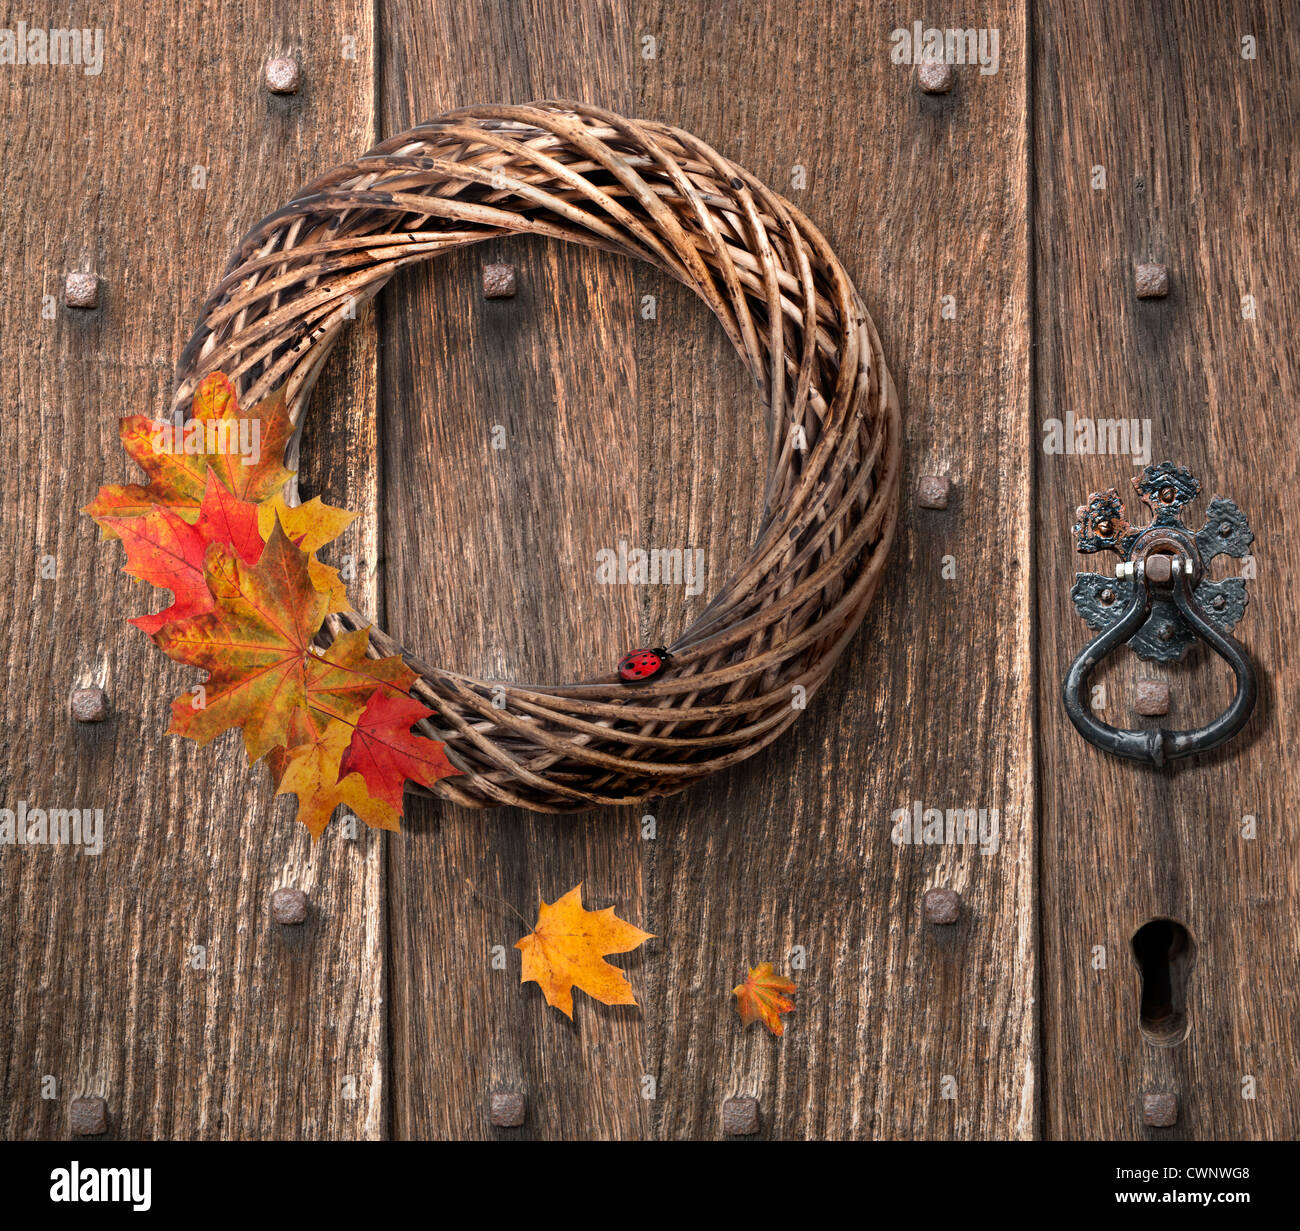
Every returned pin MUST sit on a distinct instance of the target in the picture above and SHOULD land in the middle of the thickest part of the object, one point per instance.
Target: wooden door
(1000, 277)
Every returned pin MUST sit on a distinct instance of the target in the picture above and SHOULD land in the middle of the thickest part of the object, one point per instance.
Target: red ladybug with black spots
(642, 665)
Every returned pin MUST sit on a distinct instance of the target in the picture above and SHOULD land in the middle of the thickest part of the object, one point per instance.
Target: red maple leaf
(163, 549)
(385, 752)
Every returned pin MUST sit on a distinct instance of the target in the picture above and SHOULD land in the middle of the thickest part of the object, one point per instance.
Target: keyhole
(1163, 950)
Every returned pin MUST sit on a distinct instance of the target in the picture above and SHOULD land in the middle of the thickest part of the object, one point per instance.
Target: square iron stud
(1152, 698)
(289, 906)
(740, 1117)
(935, 76)
(1151, 281)
(89, 1116)
(499, 281)
(942, 906)
(283, 75)
(932, 491)
(89, 704)
(508, 1108)
(81, 289)
(1160, 1110)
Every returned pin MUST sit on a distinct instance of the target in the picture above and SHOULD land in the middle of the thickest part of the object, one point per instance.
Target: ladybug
(642, 665)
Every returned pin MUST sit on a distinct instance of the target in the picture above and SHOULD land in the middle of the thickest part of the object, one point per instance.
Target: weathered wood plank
(1198, 150)
(922, 197)
(96, 979)
(491, 568)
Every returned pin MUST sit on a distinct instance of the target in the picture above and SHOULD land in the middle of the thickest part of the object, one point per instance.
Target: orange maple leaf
(256, 644)
(310, 770)
(214, 438)
(763, 996)
(566, 948)
(386, 753)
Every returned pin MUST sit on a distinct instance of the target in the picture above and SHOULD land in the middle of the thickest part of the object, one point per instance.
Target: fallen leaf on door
(566, 950)
(763, 997)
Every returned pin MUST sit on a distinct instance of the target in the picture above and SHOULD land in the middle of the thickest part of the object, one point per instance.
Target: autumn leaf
(166, 551)
(344, 678)
(256, 645)
(386, 753)
(219, 436)
(311, 526)
(310, 770)
(566, 950)
(764, 996)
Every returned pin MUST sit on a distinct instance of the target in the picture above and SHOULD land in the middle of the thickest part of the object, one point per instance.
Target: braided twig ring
(656, 193)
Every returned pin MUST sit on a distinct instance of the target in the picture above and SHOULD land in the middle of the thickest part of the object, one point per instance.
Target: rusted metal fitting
(932, 491)
(740, 1116)
(89, 1116)
(508, 1108)
(81, 289)
(1160, 1110)
(1152, 698)
(283, 75)
(499, 281)
(1151, 281)
(289, 906)
(935, 76)
(942, 906)
(89, 704)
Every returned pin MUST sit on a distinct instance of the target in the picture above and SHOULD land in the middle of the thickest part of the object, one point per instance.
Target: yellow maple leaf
(566, 950)
(311, 526)
(764, 996)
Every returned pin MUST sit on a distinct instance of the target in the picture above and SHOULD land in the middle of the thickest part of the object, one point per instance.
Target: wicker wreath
(743, 671)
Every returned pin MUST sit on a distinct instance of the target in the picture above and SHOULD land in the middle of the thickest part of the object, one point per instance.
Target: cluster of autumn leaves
(248, 599)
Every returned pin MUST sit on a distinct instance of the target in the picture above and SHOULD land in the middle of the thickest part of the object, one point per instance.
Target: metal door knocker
(1160, 601)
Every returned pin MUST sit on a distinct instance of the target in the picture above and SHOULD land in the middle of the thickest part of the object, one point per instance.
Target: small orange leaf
(763, 997)
(566, 950)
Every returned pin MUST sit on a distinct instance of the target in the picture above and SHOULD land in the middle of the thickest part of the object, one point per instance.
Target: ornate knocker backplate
(1160, 602)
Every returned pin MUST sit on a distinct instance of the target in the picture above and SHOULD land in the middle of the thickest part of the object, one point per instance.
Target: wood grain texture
(491, 568)
(618, 424)
(921, 197)
(1199, 150)
(279, 1035)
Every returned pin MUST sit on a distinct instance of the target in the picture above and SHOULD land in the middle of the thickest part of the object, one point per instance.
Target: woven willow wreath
(743, 671)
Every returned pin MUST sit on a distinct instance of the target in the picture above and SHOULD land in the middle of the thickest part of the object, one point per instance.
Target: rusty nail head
(1151, 281)
(740, 1116)
(89, 704)
(283, 76)
(499, 281)
(508, 1108)
(935, 76)
(89, 1116)
(1160, 1110)
(932, 491)
(942, 906)
(289, 906)
(1152, 698)
(81, 289)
